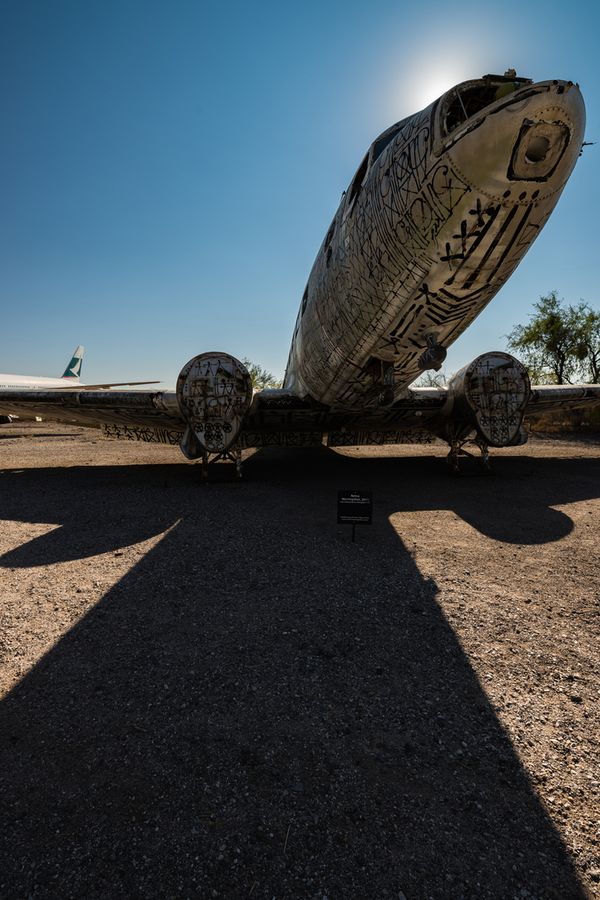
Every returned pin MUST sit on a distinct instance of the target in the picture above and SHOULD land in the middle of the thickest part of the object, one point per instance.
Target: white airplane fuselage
(9, 382)
(71, 377)
(439, 214)
(70, 380)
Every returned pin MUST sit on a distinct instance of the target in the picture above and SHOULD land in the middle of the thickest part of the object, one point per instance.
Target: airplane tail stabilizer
(73, 370)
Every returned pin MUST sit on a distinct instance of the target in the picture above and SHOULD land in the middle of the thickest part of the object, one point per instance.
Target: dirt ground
(209, 691)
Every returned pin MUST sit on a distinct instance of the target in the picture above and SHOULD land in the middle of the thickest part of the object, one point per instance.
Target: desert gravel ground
(210, 691)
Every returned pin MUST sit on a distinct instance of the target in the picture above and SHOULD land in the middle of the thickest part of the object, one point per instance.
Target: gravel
(209, 691)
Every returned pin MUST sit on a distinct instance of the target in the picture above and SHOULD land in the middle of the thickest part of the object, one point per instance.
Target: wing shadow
(98, 509)
(514, 506)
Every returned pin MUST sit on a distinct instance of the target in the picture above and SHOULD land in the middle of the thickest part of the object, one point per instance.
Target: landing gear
(485, 455)
(457, 449)
(234, 455)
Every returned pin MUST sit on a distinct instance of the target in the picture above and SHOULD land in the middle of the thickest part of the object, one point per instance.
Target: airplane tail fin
(73, 370)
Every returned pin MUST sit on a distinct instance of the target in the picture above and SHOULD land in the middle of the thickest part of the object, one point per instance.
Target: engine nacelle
(214, 392)
(490, 395)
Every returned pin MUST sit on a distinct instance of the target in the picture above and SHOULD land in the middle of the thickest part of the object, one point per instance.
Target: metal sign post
(354, 508)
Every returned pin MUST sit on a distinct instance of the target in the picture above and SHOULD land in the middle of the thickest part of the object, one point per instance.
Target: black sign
(355, 507)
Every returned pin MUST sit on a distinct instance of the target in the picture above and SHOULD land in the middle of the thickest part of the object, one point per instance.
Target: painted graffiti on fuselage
(415, 251)
(379, 249)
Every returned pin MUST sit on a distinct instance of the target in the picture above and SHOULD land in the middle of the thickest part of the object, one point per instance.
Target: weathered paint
(430, 229)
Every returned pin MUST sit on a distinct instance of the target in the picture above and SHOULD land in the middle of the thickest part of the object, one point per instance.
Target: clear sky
(168, 169)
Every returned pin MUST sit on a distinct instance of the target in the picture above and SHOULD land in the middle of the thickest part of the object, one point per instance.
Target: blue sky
(168, 170)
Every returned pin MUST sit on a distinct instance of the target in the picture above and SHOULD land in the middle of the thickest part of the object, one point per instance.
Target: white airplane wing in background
(102, 387)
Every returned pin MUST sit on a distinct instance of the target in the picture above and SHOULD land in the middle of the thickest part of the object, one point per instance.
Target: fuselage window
(382, 142)
(467, 102)
(327, 243)
(329, 235)
(304, 301)
(358, 180)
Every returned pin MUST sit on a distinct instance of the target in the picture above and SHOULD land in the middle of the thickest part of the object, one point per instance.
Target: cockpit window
(469, 98)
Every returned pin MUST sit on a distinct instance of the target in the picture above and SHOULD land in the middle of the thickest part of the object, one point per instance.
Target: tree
(560, 343)
(433, 379)
(259, 376)
(590, 341)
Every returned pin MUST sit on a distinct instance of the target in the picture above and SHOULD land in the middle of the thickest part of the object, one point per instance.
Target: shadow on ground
(261, 708)
(100, 508)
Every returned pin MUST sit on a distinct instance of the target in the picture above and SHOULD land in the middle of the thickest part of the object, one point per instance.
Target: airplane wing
(96, 408)
(556, 397)
(280, 417)
(102, 387)
(273, 417)
(271, 410)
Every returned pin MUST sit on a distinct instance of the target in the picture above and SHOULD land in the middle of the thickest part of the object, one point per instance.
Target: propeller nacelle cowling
(489, 396)
(214, 393)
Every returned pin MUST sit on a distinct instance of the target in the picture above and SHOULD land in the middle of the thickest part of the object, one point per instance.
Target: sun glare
(427, 71)
(433, 85)
(428, 82)
(419, 83)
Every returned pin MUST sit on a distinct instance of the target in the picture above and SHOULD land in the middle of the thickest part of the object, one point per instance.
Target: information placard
(354, 507)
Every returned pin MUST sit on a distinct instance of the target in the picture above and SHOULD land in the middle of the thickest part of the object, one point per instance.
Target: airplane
(69, 380)
(440, 212)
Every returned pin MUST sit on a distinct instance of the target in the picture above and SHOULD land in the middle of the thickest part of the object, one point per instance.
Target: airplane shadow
(513, 505)
(260, 707)
(98, 509)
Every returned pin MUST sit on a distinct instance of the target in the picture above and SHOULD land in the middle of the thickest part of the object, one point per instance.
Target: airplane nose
(534, 135)
(538, 150)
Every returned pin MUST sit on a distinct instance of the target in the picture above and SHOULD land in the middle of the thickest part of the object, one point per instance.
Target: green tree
(590, 342)
(259, 376)
(558, 343)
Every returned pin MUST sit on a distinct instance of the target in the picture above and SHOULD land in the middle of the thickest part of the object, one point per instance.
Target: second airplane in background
(69, 380)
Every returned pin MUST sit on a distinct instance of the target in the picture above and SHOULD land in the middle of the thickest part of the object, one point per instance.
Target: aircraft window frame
(304, 302)
(384, 140)
(357, 182)
(469, 99)
(327, 242)
(329, 235)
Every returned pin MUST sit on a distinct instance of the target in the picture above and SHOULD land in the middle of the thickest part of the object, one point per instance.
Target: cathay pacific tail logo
(73, 370)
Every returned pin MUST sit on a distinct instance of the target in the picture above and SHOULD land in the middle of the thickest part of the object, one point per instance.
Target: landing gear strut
(234, 455)
(457, 449)
(485, 455)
